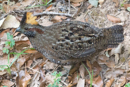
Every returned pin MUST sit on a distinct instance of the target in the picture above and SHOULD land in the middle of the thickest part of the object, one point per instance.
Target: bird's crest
(29, 19)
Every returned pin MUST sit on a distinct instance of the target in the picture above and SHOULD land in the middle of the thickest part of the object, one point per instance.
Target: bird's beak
(18, 29)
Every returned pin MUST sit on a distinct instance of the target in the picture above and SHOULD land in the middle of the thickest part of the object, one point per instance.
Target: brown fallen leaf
(21, 61)
(126, 6)
(76, 4)
(9, 8)
(4, 60)
(3, 32)
(70, 84)
(75, 78)
(58, 19)
(49, 8)
(17, 43)
(7, 83)
(96, 68)
(76, 67)
(122, 81)
(90, 6)
(89, 64)
(102, 59)
(27, 2)
(110, 64)
(113, 19)
(128, 76)
(109, 82)
(31, 51)
(23, 79)
(29, 62)
(97, 82)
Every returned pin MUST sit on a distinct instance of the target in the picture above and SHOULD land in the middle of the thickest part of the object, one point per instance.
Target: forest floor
(24, 67)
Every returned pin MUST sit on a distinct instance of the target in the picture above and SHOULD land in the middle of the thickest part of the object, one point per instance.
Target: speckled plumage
(69, 42)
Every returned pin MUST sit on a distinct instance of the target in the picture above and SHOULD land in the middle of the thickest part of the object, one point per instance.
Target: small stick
(52, 13)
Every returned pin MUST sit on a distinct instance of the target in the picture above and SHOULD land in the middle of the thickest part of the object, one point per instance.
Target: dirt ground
(111, 68)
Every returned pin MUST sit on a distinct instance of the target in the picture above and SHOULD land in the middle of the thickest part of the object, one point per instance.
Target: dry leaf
(128, 76)
(2, 73)
(122, 81)
(126, 6)
(75, 78)
(31, 51)
(76, 4)
(10, 22)
(45, 22)
(3, 32)
(9, 8)
(7, 83)
(114, 73)
(27, 2)
(90, 6)
(102, 59)
(70, 85)
(96, 68)
(30, 19)
(81, 83)
(101, 2)
(23, 79)
(89, 65)
(113, 19)
(110, 64)
(1, 21)
(49, 8)
(21, 61)
(82, 71)
(4, 60)
(17, 43)
(116, 50)
(75, 68)
(97, 82)
(58, 19)
(109, 82)
(29, 62)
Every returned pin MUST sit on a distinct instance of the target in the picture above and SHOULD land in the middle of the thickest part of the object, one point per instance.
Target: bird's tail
(115, 35)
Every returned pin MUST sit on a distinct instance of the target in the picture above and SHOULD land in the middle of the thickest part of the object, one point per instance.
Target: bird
(69, 42)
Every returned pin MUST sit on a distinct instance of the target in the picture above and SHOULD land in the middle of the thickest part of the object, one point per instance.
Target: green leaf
(49, 85)
(5, 86)
(122, 5)
(127, 85)
(7, 43)
(5, 50)
(54, 73)
(128, 8)
(93, 2)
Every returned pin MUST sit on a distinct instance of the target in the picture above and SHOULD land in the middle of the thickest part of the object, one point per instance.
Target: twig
(52, 13)
(3, 16)
(69, 7)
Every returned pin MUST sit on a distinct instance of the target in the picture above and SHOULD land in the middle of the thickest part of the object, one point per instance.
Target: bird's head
(29, 26)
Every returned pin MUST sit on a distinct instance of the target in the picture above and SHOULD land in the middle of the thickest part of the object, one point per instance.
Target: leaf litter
(108, 71)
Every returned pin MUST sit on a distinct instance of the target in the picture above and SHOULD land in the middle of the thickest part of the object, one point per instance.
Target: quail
(69, 42)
